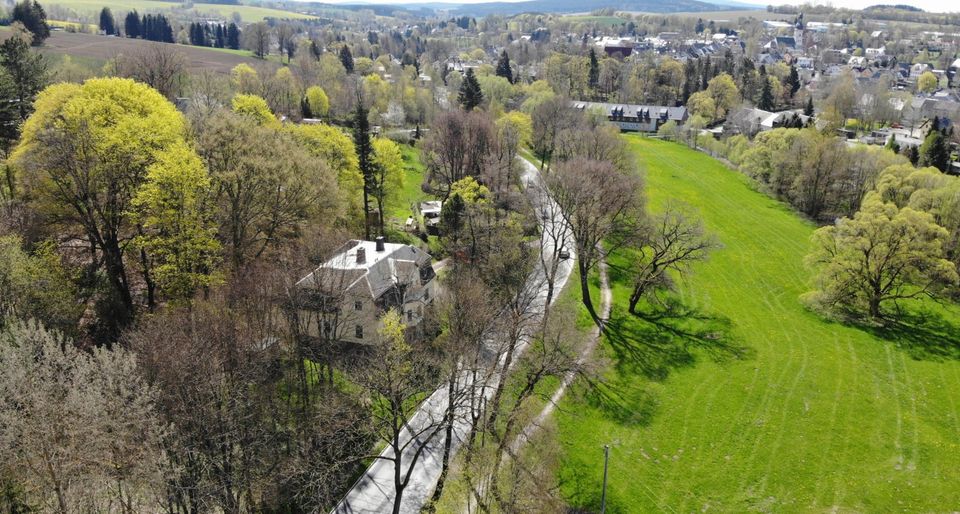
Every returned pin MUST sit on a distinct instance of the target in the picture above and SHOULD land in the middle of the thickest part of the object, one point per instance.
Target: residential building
(345, 297)
(636, 118)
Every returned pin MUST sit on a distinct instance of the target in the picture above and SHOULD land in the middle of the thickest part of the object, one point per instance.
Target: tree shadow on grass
(925, 335)
(670, 336)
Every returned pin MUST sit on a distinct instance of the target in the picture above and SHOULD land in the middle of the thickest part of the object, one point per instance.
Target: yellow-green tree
(175, 210)
(245, 79)
(317, 102)
(335, 148)
(723, 90)
(255, 108)
(882, 255)
(387, 180)
(927, 83)
(85, 153)
(702, 104)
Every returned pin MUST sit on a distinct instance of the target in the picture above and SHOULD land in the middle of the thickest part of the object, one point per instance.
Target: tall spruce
(594, 72)
(346, 58)
(131, 25)
(503, 67)
(470, 96)
(766, 96)
(364, 149)
(107, 23)
(34, 18)
(233, 37)
(808, 110)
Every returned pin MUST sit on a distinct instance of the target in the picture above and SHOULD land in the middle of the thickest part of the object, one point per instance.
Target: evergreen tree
(766, 96)
(346, 58)
(220, 37)
(699, 27)
(233, 37)
(892, 144)
(808, 110)
(315, 50)
(34, 18)
(913, 153)
(503, 67)
(107, 23)
(793, 81)
(935, 151)
(27, 70)
(364, 149)
(131, 25)
(594, 73)
(470, 95)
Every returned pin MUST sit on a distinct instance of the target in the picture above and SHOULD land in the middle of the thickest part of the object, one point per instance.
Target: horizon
(936, 6)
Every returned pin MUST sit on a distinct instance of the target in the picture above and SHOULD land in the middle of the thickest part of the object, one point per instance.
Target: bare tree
(672, 241)
(600, 205)
(159, 65)
(78, 431)
(460, 144)
(257, 38)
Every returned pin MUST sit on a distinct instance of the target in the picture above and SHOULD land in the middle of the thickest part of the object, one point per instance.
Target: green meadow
(248, 13)
(740, 399)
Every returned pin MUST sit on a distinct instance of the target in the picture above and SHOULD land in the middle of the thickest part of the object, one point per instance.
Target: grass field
(247, 13)
(750, 402)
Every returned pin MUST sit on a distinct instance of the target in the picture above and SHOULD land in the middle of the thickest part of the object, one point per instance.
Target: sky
(926, 5)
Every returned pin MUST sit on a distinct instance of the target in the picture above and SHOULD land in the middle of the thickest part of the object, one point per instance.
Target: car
(564, 254)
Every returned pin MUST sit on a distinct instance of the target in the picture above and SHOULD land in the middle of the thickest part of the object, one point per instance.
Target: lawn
(751, 402)
(247, 13)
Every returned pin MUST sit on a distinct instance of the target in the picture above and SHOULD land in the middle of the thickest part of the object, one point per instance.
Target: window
(409, 316)
(327, 328)
(358, 305)
(359, 331)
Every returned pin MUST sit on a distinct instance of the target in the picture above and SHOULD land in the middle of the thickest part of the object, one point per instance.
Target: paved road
(374, 492)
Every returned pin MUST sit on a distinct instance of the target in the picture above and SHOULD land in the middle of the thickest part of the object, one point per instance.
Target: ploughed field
(744, 400)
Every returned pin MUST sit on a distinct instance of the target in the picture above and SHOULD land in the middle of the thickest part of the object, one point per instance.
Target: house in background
(347, 294)
(636, 118)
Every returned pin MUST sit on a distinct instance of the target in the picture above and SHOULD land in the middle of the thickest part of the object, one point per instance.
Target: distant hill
(568, 6)
(901, 7)
(558, 6)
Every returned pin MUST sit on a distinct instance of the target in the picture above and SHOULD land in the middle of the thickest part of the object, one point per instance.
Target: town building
(636, 118)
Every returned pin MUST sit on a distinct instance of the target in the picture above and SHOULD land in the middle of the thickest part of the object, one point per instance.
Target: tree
(671, 242)
(364, 149)
(27, 74)
(935, 150)
(266, 186)
(317, 102)
(593, 75)
(158, 65)
(107, 23)
(503, 67)
(927, 83)
(80, 428)
(723, 90)
(175, 209)
(598, 204)
(257, 37)
(245, 79)
(346, 58)
(37, 285)
(808, 109)
(336, 149)
(255, 108)
(792, 81)
(387, 164)
(34, 18)
(460, 144)
(883, 254)
(394, 376)
(233, 37)
(766, 96)
(131, 25)
(701, 104)
(470, 95)
(84, 167)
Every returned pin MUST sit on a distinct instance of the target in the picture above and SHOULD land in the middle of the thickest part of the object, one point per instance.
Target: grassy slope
(814, 415)
(247, 13)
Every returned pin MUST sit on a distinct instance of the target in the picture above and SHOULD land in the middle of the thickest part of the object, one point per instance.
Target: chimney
(361, 255)
(380, 245)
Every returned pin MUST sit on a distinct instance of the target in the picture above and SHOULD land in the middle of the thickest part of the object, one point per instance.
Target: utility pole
(603, 495)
